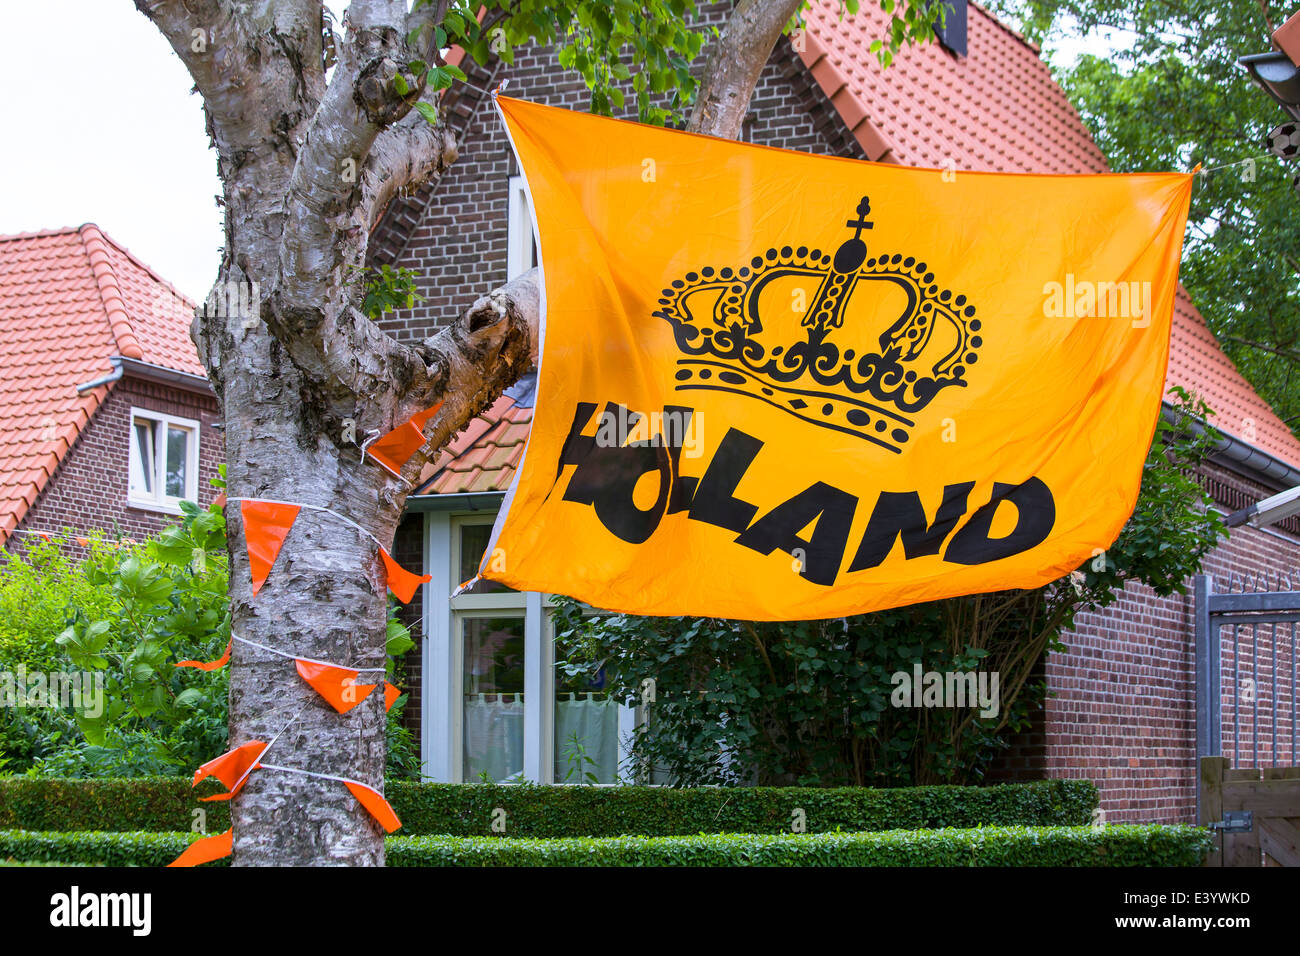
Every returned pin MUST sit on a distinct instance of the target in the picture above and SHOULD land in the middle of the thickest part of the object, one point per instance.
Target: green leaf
(94, 729)
(190, 698)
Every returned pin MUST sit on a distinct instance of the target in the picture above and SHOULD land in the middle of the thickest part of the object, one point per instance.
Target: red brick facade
(89, 488)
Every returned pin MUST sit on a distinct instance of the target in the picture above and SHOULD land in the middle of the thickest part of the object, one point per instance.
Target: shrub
(43, 590)
(1124, 845)
(127, 614)
(536, 811)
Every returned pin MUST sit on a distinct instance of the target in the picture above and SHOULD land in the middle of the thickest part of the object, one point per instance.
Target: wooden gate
(1254, 812)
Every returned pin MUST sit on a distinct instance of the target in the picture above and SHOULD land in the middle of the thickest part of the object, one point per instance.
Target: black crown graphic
(730, 324)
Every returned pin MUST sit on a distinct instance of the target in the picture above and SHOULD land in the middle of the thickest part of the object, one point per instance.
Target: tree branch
(736, 59)
(178, 21)
(1280, 353)
(407, 154)
(328, 206)
(469, 363)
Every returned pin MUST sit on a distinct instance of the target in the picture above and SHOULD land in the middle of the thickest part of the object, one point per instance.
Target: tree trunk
(306, 169)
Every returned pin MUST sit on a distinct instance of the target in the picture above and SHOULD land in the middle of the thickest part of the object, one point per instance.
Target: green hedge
(115, 804)
(1123, 845)
(166, 804)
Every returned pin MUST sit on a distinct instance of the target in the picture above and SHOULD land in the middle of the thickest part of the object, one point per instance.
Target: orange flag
(374, 801)
(338, 685)
(809, 403)
(231, 768)
(396, 448)
(391, 694)
(205, 850)
(401, 581)
(221, 661)
(266, 525)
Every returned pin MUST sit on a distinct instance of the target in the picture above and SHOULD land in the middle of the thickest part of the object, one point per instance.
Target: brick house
(106, 417)
(485, 698)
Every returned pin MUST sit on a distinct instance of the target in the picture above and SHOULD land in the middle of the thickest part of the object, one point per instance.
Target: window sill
(158, 507)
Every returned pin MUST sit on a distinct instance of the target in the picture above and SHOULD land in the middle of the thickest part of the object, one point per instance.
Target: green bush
(1124, 845)
(546, 811)
(126, 614)
(534, 811)
(43, 589)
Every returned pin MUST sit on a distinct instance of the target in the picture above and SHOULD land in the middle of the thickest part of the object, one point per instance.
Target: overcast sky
(100, 126)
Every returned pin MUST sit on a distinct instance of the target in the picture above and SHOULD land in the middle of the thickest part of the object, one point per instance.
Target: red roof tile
(484, 456)
(101, 301)
(997, 108)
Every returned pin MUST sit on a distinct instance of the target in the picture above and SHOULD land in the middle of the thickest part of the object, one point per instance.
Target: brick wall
(89, 489)
(1122, 710)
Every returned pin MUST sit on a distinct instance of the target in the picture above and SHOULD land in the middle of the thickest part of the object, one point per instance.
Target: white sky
(99, 126)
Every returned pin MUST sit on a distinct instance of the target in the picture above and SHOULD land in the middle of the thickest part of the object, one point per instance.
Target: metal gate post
(1209, 686)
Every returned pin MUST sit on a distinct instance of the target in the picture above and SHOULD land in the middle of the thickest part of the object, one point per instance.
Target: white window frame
(443, 659)
(168, 504)
(520, 238)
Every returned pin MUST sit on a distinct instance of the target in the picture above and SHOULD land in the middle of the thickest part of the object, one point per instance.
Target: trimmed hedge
(166, 804)
(112, 804)
(1122, 845)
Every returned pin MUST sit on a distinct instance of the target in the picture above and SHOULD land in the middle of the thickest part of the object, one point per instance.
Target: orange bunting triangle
(401, 581)
(338, 685)
(231, 768)
(266, 525)
(396, 448)
(374, 801)
(221, 661)
(206, 850)
(391, 694)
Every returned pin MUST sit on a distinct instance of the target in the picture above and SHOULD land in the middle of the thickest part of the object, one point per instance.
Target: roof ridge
(110, 293)
(142, 264)
(40, 233)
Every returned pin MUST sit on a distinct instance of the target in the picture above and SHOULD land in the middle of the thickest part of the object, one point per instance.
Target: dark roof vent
(953, 32)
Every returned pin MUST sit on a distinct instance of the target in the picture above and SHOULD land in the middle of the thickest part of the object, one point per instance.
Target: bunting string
(299, 504)
(1203, 170)
(299, 657)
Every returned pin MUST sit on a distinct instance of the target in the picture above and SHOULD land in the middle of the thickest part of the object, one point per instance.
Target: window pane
(586, 730)
(142, 460)
(473, 542)
(178, 456)
(494, 698)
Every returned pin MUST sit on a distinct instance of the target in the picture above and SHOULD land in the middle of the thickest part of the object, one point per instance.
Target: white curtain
(494, 736)
(595, 721)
